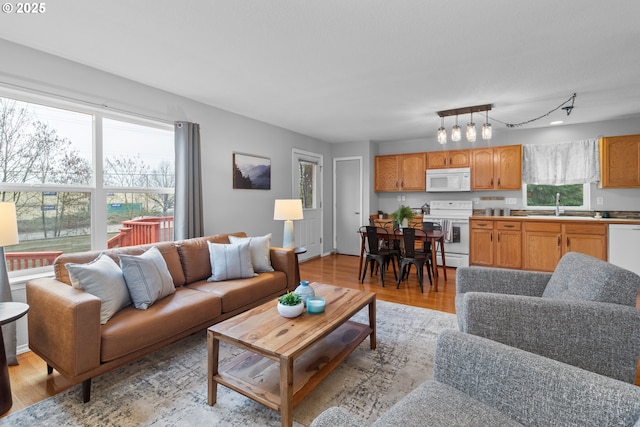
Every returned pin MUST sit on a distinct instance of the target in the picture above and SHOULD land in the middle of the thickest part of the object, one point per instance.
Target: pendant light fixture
(442, 132)
(456, 132)
(486, 128)
(471, 130)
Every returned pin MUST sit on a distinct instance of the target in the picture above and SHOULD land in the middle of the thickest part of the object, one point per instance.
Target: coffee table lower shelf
(260, 377)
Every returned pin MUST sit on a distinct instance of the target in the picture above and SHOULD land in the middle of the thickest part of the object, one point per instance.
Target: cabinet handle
(492, 182)
(498, 181)
(509, 226)
(567, 241)
(397, 184)
(491, 237)
(498, 237)
(558, 240)
(402, 183)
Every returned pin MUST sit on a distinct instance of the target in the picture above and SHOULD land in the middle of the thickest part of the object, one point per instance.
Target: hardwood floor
(30, 382)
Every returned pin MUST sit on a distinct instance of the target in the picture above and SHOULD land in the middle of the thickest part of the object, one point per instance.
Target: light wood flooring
(30, 382)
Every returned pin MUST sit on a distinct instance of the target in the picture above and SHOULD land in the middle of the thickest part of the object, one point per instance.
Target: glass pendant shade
(486, 131)
(456, 132)
(442, 133)
(471, 130)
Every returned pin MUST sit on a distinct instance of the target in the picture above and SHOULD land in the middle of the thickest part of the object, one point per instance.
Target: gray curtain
(8, 330)
(188, 221)
(575, 162)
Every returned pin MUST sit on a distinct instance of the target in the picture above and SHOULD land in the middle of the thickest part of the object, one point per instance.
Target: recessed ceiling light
(557, 122)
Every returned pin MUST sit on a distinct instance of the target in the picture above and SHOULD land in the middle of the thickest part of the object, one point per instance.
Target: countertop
(562, 218)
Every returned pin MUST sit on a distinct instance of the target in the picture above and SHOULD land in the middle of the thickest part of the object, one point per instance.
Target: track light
(486, 128)
(471, 130)
(456, 133)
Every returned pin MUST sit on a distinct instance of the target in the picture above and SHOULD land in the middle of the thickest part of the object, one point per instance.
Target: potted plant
(380, 214)
(290, 305)
(402, 216)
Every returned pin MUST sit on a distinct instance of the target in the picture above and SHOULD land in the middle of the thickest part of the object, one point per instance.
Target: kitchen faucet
(557, 204)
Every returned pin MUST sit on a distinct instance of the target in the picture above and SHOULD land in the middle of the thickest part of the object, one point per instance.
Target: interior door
(347, 190)
(307, 180)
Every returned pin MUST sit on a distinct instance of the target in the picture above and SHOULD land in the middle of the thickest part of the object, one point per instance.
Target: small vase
(305, 291)
(290, 311)
(405, 223)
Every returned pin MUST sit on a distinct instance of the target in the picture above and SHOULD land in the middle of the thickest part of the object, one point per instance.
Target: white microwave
(454, 179)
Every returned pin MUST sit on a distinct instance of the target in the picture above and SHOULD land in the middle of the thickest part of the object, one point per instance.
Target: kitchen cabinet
(496, 168)
(448, 159)
(400, 172)
(620, 161)
(496, 243)
(545, 242)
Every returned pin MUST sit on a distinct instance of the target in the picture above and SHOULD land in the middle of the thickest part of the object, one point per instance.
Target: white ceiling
(347, 70)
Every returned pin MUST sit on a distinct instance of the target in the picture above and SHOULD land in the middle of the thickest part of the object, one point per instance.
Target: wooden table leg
(361, 257)
(372, 324)
(444, 262)
(286, 391)
(434, 261)
(213, 349)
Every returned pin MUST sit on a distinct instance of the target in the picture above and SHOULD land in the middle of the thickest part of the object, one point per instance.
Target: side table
(298, 251)
(9, 311)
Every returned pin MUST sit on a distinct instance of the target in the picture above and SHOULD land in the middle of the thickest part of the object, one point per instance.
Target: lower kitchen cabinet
(533, 245)
(496, 243)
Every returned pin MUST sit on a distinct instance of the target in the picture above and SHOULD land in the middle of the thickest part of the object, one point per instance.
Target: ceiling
(353, 70)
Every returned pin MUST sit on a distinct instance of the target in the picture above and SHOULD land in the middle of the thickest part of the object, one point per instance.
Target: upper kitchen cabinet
(448, 159)
(620, 161)
(496, 168)
(400, 172)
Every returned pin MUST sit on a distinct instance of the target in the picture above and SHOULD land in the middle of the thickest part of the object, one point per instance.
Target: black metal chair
(414, 257)
(427, 226)
(375, 255)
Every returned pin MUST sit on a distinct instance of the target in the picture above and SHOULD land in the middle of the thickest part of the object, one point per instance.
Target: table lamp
(8, 236)
(288, 210)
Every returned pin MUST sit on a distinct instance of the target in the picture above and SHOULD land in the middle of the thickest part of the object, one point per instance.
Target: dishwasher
(624, 242)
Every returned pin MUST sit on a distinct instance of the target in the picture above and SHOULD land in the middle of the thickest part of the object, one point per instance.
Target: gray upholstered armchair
(582, 314)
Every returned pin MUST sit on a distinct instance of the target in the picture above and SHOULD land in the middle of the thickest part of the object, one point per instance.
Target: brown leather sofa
(64, 322)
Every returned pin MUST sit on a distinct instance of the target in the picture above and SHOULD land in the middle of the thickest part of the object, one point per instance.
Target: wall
(625, 199)
(222, 133)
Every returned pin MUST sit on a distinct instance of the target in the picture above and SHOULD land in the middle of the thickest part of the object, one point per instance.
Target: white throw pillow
(103, 278)
(147, 277)
(260, 248)
(232, 261)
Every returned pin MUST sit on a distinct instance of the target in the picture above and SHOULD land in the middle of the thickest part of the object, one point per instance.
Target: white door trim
(295, 153)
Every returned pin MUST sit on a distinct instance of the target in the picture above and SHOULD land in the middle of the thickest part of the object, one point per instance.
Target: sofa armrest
(64, 326)
(501, 281)
(284, 260)
(336, 417)
(532, 389)
(598, 337)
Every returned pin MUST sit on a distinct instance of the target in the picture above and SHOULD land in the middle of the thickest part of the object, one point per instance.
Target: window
(50, 171)
(307, 172)
(573, 196)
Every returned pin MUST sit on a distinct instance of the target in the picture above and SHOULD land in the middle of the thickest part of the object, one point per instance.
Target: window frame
(97, 190)
(586, 201)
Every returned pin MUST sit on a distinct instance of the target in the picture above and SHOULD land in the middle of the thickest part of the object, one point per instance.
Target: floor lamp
(288, 210)
(8, 236)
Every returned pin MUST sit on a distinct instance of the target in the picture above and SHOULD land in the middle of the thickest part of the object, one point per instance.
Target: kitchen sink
(563, 217)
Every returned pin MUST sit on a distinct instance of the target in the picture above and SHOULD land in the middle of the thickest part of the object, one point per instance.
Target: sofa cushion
(260, 248)
(582, 277)
(132, 329)
(230, 261)
(242, 292)
(103, 278)
(147, 277)
(194, 255)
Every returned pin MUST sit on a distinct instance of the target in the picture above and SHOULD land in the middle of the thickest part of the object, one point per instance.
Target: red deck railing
(135, 232)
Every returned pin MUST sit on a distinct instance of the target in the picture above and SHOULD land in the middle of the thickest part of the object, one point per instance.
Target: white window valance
(574, 162)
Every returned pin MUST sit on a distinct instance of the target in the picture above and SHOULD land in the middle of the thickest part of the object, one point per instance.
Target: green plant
(380, 213)
(403, 212)
(290, 298)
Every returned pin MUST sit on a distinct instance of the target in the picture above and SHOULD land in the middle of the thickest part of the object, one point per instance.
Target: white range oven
(453, 216)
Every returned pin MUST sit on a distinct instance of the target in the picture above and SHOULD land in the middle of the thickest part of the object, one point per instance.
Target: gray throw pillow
(260, 249)
(147, 277)
(103, 278)
(232, 261)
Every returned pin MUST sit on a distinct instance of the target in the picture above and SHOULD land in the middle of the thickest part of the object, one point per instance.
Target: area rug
(169, 387)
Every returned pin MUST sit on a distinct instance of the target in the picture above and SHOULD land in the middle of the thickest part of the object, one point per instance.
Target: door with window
(307, 179)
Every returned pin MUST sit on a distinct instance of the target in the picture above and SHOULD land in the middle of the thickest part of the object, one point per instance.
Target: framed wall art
(251, 172)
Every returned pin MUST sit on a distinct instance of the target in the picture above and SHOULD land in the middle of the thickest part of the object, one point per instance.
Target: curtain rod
(84, 102)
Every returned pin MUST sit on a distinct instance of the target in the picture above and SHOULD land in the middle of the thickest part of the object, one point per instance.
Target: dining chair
(376, 255)
(415, 257)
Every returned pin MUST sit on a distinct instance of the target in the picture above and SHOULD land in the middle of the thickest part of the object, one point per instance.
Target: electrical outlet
(599, 200)
(399, 198)
(510, 201)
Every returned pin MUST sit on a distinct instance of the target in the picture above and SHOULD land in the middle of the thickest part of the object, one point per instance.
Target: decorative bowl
(315, 305)
(290, 311)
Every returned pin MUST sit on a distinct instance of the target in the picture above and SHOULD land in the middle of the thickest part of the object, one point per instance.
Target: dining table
(432, 236)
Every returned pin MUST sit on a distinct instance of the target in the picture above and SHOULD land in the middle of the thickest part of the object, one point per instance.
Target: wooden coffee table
(286, 359)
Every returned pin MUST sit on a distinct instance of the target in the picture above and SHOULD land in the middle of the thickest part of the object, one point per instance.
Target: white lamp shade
(8, 224)
(287, 209)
